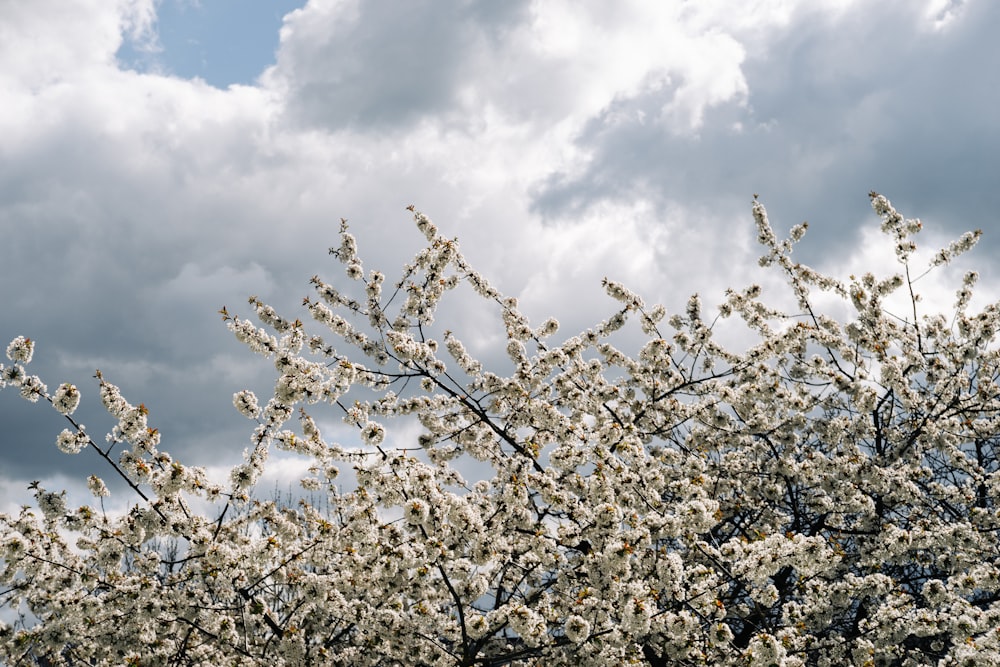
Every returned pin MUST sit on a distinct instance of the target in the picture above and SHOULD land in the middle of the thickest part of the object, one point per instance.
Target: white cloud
(554, 67)
(560, 141)
(941, 13)
(47, 41)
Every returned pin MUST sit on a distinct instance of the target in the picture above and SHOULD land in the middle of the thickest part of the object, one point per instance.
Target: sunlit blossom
(636, 493)
(72, 442)
(97, 487)
(66, 398)
(20, 350)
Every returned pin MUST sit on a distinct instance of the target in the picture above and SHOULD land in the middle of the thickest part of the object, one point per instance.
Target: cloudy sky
(161, 159)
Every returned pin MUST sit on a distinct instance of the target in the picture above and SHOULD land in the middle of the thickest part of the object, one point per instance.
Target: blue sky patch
(223, 42)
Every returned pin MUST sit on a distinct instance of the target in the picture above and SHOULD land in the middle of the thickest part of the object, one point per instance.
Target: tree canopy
(826, 494)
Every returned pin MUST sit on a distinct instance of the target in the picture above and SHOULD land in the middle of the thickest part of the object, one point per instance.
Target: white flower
(244, 476)
(416, 512)
(636, 617)
(372, 434)
(618, 494)
(548, 328)
(66, 399)
(71, 442)
(11, 375)
(133, 422)
(53, 505)
(246, 402)
(527, 623)
(577, 628)
(21, 349)
(765, 650)
(425, 225)
(97, 486)
(32, 388)
(113, 400)
(478, 626)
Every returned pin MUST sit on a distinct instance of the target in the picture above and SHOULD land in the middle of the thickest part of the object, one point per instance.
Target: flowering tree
(827, 496)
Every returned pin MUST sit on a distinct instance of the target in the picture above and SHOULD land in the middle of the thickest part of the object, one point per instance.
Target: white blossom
(827, 493)
(577, 628)
(20, 350)
(66, 398)
(72, 442)
(246, 402)
(372, 433)
(97, 487)
(32, 388)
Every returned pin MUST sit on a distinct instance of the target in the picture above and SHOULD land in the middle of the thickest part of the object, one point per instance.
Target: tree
(826, 496)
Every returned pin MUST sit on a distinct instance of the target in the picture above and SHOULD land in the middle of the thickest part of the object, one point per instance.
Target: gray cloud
(871, 100)
(134, 206)
(377, 65)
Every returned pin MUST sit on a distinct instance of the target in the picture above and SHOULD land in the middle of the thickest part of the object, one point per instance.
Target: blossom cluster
(826, 496)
